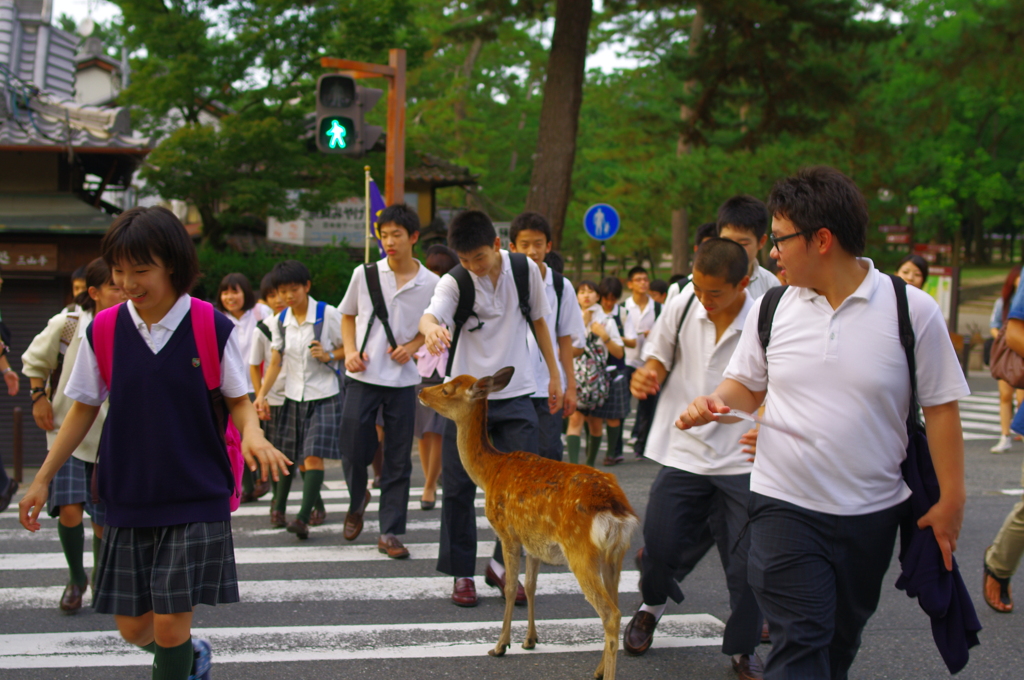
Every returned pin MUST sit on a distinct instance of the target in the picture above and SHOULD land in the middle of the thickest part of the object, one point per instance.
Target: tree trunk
(465, 74)
(551, 181)
(680, 216)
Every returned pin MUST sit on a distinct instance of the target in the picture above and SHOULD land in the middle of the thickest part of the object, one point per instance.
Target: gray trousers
(549, 429)
(678, 512)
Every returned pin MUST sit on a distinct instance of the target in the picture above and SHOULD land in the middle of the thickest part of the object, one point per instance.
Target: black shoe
(8, 494)
(639, 633)
(299, 528)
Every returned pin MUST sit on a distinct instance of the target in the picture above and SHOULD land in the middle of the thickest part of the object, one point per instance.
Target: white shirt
(840, 378)
(307, 378)
(642, 322)
(245, 327)
(405, 307)
(259, 355)
(598, 315)
(628, 332)
(501, 341)
(760, 281)
(570, 323)
(697, 363)
(86, 384)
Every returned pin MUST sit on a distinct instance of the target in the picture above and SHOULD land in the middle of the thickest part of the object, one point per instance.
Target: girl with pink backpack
(167, 469)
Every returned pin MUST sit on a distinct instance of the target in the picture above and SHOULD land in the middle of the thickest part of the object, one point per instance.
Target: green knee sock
(96, 543)
(572, 445)
(173, 663)
(282, 487)
(72, 540)
(247, 484)
(614, 440)
(593, 445)
(311, 481)
(151, 647)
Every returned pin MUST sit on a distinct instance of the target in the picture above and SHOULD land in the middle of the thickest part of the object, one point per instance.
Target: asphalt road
(324, 609)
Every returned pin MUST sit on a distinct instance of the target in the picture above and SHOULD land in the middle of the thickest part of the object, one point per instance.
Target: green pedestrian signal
(340, 109)
(336, 133)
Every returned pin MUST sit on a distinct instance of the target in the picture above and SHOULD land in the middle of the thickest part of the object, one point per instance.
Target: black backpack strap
(521, 276)
(908, 341)
(679, 327)
(657, 309)
(464, 309)
(263, 329)
(380, 309)
(559, 282)
(766, 315)
(618, 323)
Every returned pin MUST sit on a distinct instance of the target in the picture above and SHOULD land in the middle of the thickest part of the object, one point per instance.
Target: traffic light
(340, 109)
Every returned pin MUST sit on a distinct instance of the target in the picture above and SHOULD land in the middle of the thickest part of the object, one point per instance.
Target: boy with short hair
(380, 316)
(530, 234)
(679, 281)
(706, 473)
(658, 291)
(642, 312)
(305, 340)
(745, 220)
(494, 336)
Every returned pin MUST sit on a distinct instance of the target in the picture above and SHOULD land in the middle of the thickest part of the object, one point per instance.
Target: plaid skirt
(616, 406)
(311, 428)
(272, 427)
(166, 570)
(428, 421)
(71, 486)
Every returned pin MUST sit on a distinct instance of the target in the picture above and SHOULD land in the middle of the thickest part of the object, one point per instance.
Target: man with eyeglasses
(825, 508)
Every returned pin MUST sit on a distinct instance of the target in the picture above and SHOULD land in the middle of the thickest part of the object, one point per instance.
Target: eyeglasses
(776, 240)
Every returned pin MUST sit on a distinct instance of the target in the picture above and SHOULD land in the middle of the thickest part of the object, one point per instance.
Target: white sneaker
(1003, 446)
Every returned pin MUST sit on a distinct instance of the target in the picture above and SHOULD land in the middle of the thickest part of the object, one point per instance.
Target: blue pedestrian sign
(601, 221)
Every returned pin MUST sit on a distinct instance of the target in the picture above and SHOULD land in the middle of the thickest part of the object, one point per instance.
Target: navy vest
(162, 460)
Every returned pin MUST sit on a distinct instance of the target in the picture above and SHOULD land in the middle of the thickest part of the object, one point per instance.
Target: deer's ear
(480, 389)
(502, 378)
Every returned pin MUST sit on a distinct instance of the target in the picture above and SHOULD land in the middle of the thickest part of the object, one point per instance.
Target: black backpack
(380, 309)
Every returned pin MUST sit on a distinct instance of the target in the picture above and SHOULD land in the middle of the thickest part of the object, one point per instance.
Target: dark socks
(311, 482)
(96, 543)
(72, 540)
(593, 445)
(572, 445)
(151, 647)
(173, 663)
(282, 487)
(247, 484)
(615, 441)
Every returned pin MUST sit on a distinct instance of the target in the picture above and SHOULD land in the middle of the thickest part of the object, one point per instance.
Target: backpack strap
(907, 340)
(618, 323)
(657, 309)
(380, 309)
(679, 329)
(205, 333)
(103, 327)
(766, 314)
(318, 321)
(262, 326)
(559, 282)
(521, 276)
(280, 327)
(464, 310)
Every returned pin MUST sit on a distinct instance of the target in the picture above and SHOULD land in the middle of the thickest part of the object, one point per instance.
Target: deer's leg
(587, 567)
(510, 551)
(532, 567)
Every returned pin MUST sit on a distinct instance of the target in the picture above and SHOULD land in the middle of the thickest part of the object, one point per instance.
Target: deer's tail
(611, 532)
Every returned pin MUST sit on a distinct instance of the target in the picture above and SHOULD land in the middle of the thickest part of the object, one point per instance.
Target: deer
(560, 513)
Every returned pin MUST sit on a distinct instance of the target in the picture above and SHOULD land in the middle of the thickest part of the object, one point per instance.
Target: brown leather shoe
(766, 636)
(261, 489)
(317, 517)
(464, 593)
(392, 547)
(639, 633)
(748, 667)
(492, 579)
(277, 519)
(299, 528)
(354, 521)
(71, 600)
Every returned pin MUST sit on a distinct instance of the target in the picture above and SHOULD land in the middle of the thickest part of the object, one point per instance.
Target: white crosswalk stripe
(979, 416)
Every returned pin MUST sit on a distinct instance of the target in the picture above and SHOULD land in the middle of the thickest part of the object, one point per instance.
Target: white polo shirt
(840, 377)
(259, 355)
(697, 363)
(501, 340)
(307, 378)
(642, 322)
(570, 322)
(761, 281)
(405, 307)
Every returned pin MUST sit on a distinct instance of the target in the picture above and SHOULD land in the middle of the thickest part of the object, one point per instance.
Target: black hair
(706, 231)
(634, 271)
(290, 271)
(471, 230)
(529, 221)
(78, 273)
(821, 197)
(96, 275)
(917, 261)
(441, 259)
(401, 215)
(241, 282)
(659, 286)
(140, 235)
(676, 277)
(744, 212)
(587, 283)
(723, 259)
(554, 260)
(610, 286)
(267, 285)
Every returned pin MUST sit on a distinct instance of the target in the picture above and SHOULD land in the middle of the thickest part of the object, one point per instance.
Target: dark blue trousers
(512, 425)
(549, 429)
(817, 578)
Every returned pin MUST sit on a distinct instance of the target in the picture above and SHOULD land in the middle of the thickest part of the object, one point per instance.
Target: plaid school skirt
(616, 406)
(70, 486)
(272, 428)
(311, 428)
(166, 570)
(428, 421)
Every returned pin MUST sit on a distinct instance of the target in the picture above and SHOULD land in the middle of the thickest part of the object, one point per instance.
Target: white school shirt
(840, 378)
(245, 327)
(642, 322)
(570, 322)
(86, 384)
(307, 378)
(598, 315)
(501, 341)
(760, 281)
(628, 331)
(405, 307)
(697, 363)
(260, 355)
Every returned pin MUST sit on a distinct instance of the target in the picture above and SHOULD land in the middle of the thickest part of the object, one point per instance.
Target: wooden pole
(366, 255)
(394, 178)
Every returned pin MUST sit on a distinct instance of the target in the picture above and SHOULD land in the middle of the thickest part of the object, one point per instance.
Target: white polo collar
(171, 319)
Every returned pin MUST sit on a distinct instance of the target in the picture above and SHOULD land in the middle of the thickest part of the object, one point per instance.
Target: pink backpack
(205, 333)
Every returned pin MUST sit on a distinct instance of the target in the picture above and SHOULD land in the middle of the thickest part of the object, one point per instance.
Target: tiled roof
(437, 172)
(63, 213)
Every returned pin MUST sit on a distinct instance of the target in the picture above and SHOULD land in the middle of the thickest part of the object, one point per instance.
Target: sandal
(1004, 591)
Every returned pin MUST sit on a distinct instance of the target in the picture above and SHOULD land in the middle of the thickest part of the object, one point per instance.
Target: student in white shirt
(493, 337)
(380, 375)
(704, 232)
(824, 516)
(530, 234)
(706, 473)
(642, 311)
(310, 424)
(616, 407)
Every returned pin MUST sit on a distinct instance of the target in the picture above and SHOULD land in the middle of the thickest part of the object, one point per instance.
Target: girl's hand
(262, 408)
(31, 505)
(318, 352)
(598, 329)
(260, 455)
(749, 442)
(42, 412)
